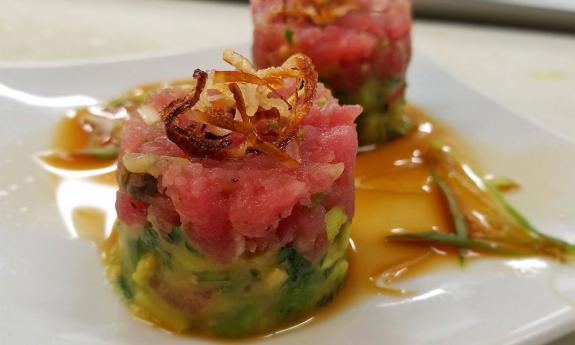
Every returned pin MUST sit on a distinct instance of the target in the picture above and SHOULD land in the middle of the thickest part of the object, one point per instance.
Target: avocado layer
(383, 117)
(163, 279)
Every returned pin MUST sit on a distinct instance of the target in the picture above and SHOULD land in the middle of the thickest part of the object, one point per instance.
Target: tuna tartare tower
(235, 201)
(361, 49)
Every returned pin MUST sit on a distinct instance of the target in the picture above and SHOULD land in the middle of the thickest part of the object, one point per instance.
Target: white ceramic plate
(53, 290)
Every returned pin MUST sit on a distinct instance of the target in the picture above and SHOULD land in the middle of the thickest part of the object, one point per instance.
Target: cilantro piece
(288, 34)
(149, 239)
(99, 152)
(317, 199)
(299, 288)
(297, 267)
(460, 243)
(193, 250)
(124, 287)
(461, 230)
(175, 236)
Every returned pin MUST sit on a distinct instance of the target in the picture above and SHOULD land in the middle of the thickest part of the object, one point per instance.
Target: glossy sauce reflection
(393, 194)
(85, 186)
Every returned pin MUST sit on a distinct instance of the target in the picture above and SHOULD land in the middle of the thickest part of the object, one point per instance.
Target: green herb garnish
(175, 236)
(458, 220)
(124, 287)
(149, 239)
(535, 242)
(317, 199)
(460, 243)
(99, 152)
(298, 288)
(288, 34)
(193, 250)
(297, 267)
(520, 219)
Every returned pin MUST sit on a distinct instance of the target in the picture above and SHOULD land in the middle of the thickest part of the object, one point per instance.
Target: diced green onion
(99, 152)
(461, 230)
(288, 34)
(460, 243)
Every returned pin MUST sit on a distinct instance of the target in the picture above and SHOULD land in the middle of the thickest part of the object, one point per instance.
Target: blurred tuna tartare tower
(361, 49)
(236, 198)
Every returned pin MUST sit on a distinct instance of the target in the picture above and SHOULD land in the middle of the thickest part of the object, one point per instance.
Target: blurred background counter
(530, 72)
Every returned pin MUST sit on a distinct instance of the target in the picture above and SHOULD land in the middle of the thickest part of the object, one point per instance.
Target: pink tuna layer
(373, 40)
(250, 204)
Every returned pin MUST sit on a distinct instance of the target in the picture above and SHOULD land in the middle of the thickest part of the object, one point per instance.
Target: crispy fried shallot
(319, 12)
(244, 112)
(193, 139)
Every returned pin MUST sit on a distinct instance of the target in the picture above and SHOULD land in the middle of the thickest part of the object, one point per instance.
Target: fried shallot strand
(243, 77)
(301, 107)
(268, 131)
(178, 106)
(192, 139)
(254, 140)
(320, 12)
